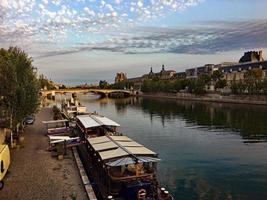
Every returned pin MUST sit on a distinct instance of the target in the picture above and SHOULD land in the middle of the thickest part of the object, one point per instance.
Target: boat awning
(51, 137)
(87, 121)
(54, 121)
(114, 153)
(98, 140)
(129, 160)
(104, 120)
(104, 146)
(121, 149)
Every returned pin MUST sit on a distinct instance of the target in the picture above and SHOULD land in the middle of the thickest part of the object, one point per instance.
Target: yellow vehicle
(4, 162)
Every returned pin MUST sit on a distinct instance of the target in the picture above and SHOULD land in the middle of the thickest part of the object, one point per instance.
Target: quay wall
(239, 99)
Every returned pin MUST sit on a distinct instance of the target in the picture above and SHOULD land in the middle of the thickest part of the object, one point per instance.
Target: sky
(84, 41)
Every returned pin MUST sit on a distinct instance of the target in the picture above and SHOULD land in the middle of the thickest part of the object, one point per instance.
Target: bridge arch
(102, 92)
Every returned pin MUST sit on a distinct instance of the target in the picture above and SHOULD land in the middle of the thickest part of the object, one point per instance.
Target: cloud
(204, 38)
(53, 18)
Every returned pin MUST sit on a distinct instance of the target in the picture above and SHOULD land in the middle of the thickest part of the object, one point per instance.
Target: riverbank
(34, 174)
(237, 99)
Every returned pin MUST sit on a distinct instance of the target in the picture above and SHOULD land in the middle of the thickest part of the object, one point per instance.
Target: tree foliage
(19, 86)
(122, 85)
(103, 84)
(196, 86)
(252, 84)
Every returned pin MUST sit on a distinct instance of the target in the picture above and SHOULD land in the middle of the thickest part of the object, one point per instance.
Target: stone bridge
(102, 92)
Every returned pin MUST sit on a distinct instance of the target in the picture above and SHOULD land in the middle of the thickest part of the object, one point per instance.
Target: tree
(103, 84)
(253, 74)
(19, 86)
(253, 80)
(217, 75)
(220, 84)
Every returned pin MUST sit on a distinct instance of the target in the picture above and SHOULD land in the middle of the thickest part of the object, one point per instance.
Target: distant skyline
(87, 40)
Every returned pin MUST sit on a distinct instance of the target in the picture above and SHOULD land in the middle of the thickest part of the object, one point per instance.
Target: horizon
(85, 41)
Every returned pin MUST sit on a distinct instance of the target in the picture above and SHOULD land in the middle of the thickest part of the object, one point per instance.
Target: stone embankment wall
(242, 99)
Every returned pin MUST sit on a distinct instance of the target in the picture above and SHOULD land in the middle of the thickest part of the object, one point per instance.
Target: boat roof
(104, 120)
(54, 121)
(89, 121)
(55, 137)
(121, 150)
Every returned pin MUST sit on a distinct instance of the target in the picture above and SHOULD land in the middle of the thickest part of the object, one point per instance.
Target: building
(135, 82)
(162, 75)
(250, 60)
(196, 72)
(252, 56)
(120, 77)
(191, 73)
(179, 75)
(237, 72)
(207, 69)
(166, 74)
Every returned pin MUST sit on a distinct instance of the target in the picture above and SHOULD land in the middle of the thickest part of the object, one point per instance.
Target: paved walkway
(34, 174)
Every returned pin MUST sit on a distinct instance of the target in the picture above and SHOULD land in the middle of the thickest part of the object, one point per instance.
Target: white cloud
(32, 20)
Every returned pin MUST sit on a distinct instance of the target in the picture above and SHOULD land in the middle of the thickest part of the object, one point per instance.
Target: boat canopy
(89, 121)
(121, 150)
(54, 121)
(129, 160)
(104, 120)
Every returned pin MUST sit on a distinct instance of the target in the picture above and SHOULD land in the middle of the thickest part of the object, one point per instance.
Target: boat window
(2, 166)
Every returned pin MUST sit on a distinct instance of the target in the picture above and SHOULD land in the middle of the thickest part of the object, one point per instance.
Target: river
(208, 150)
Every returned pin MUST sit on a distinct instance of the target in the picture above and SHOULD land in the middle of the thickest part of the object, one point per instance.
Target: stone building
(179, 75)
(250, 60)
(196, 72)
(120, 77)
(162, 75)
(252, 56)
(166, 74)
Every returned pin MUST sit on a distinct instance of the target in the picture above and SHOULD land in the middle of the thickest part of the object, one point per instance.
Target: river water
(208, 150)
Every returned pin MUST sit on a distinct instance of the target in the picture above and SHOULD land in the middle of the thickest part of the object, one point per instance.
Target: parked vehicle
(29, 119)
(4, 163)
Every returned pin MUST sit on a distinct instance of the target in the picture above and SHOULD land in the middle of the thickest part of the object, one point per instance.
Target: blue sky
(88, 40)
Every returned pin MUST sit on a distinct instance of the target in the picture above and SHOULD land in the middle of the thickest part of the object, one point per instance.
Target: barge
(120, 167)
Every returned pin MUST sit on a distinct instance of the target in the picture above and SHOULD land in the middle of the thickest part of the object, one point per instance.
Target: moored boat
(72, 107)
(120, 167)
(94, 125)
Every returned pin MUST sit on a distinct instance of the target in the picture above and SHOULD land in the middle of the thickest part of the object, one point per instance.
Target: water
(208, 150)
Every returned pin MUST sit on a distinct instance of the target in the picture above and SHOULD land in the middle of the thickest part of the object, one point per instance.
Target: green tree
(253, 80)
(221, 83)
(217, 75)
(19, 86)
(103, 84)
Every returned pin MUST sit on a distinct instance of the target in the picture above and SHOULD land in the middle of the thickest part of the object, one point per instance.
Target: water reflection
(249, 121)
